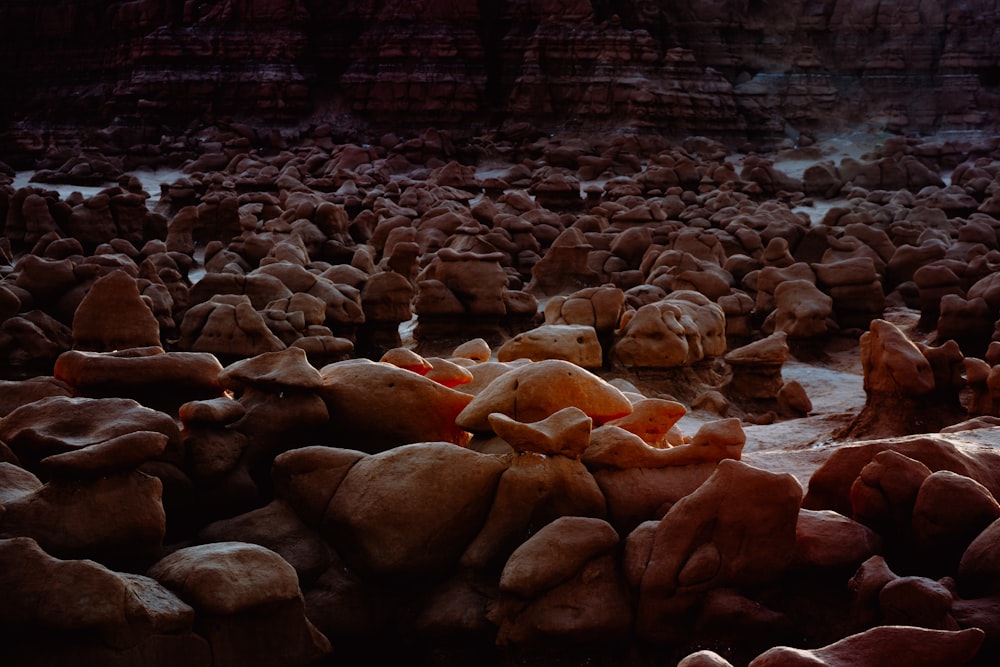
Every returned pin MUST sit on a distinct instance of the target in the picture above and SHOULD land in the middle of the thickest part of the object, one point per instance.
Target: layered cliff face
(730, 67)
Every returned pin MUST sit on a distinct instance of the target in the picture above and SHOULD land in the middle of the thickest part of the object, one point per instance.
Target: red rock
(916, 646)
(412, 510)
(534, 391)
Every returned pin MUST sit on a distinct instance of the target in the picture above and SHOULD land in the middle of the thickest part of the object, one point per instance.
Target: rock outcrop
(724, 68)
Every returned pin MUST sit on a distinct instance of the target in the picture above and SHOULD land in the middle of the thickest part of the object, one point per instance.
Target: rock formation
(757, 68)
(367, 399)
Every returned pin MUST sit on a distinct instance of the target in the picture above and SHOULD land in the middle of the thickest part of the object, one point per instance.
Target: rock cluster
(347, 391)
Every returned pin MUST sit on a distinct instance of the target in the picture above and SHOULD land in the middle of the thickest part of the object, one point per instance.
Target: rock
(253, 599)
(680, 330)
(598, 307)
(157, 379)
(448, 373)
(307, 477)
(653, 420)
(938, 528)
(919, 647)
(227, 326)
(322, 350)
(564, 267)
(757, 367)
(801, 310)
(82, 518)
(276, 527)
(566, 432)
(830, 484)
(683, 561)
(545, 572)
(59, 425)
(533, 491)
(576, 344)
(537, 390)
(33, 340)
(792, 398)
(898, 385)
(477, 350)
(15, 393)
(407, 360)
(112, 618)
(917, 601)
(825, 539)
(133, 325)
(285, 370)
(977, 570)
(412, 510)
(883, 495)
(376, 406)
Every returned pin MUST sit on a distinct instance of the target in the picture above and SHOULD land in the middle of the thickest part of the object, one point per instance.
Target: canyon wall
(737, 67)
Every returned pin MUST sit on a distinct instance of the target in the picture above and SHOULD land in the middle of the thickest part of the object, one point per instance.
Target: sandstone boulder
(249, 602)
(111, 618)
(411, 510)
(375, 406)
(534, 391)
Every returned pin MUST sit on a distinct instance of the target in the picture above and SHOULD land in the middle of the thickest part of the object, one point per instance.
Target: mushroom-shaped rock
(228, 326)
(90, 613)
(375, 406)
(801, 309)
(651, 337)
(883, 645)
(577, 344)
(562, 583)
(757, 367)
(412, 510)
(566, 432)
(533, 391)
(248, 600)
(652, 419)
(712, 538)
(892, 363)
(158, 379)
(133, 323)
(212, 449)
(899, 386)
(287, 369)
(58, 425)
